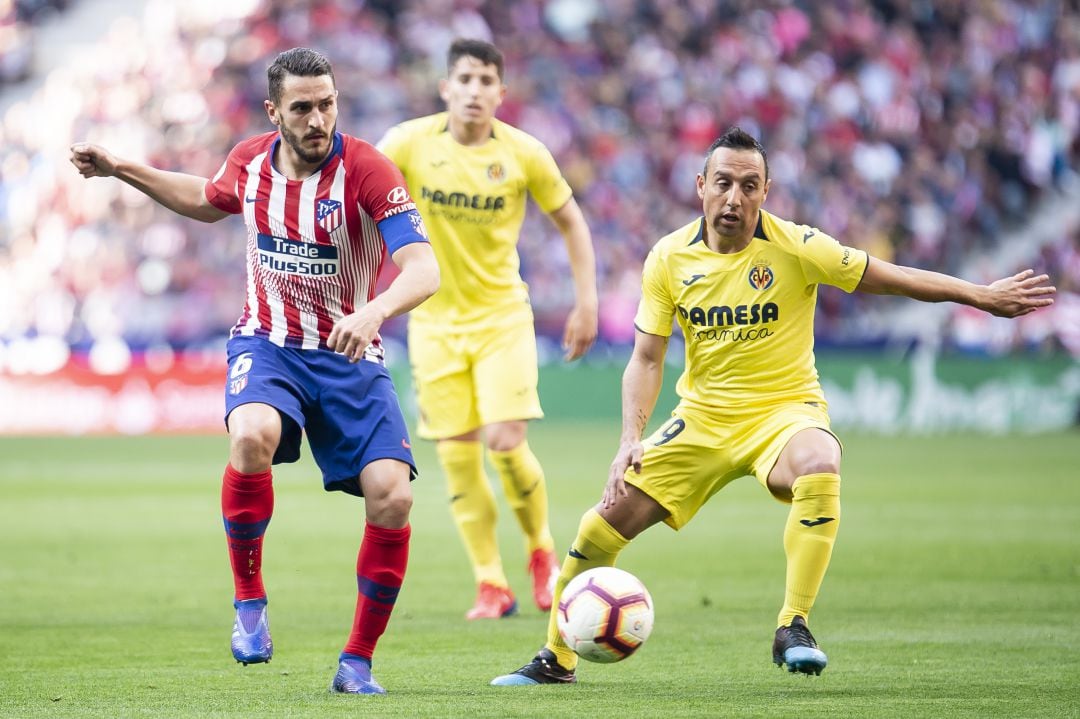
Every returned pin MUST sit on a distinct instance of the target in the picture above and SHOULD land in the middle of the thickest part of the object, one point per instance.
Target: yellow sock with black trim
(809, 536)
(526, 493)
(597, 545)
(472, 505)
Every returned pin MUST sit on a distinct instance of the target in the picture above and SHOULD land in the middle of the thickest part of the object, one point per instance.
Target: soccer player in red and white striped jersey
(297, 287)
(322, 210)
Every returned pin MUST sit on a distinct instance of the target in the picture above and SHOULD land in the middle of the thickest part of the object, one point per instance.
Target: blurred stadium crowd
(926, 133)
(17, 37)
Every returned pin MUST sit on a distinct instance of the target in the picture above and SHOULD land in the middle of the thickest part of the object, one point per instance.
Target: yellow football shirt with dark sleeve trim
(473, 201)
(748, 317)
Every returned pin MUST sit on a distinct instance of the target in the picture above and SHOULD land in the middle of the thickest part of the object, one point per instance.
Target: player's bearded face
(311, 147)
(307, 116)
(733, 192)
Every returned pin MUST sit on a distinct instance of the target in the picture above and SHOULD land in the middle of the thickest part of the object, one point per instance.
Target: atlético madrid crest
(761, 276)
(328, 214)
(236, 386)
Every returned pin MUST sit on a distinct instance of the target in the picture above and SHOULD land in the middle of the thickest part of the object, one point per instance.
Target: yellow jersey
(748, 316)
(473, 203)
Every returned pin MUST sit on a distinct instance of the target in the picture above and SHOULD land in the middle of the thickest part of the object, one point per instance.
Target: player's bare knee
(399, 504)
(818, 464)
(501, 445)
(390, 508)
(809, 452)
(633, 514)
(505, 436)
(251, 448)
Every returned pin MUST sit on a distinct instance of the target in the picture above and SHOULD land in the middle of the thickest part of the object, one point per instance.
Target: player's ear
(444, 86)
(765, 189)
(271, 111)
(701, 186)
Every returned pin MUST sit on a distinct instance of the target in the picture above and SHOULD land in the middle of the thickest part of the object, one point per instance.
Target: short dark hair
(737, 139)
(483, 51)
(301, 62)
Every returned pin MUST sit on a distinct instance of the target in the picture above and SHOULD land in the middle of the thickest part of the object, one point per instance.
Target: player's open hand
(92, 160)
(1019, 295)
(629, 455)
(580, 332)
(353, 333)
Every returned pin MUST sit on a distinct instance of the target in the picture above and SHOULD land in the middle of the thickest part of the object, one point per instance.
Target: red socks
(247, 501)
(380, 569)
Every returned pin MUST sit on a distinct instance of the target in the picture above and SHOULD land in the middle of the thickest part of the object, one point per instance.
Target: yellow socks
(526, 493)
(472, 505)
(808, 541)
(596, 545)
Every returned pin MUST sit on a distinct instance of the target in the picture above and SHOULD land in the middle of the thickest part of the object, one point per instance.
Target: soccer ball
(605, 614)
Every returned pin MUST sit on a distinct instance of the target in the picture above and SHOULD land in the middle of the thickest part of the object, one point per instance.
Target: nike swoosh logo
(692, 280)
(380, 594)
(807, 236)
(405, 444)
(439, 163)
(255, 199)
(456, 497)
(576, 554)
(816, 522)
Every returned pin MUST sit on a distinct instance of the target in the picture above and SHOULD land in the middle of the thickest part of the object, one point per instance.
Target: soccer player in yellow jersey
(472, 345)
(742, 285)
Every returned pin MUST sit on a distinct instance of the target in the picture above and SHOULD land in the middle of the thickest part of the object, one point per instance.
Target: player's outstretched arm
(418, 280)
(640, 388)
(177, 191)
(1012, 296)
(580, 332)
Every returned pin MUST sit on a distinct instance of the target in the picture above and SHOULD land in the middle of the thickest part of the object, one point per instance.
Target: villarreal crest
(761, 276)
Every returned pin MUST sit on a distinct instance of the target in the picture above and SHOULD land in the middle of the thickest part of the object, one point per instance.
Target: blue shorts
(349, 410)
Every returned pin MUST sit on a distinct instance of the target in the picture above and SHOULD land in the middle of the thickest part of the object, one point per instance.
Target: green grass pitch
(954, 590)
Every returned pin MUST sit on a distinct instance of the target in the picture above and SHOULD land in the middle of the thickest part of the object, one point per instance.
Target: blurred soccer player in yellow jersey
(472, 346)
(742, 285)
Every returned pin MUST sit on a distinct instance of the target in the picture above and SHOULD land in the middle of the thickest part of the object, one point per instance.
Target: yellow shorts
(695, 454)
(468, 379)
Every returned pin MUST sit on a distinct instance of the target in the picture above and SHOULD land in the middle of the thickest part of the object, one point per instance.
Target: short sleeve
(656, 310)
(222, 189)
(826, 261)
(382, 192)
(544, 180)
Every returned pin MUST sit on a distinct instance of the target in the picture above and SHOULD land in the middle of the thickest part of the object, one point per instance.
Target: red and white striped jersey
(313, 247)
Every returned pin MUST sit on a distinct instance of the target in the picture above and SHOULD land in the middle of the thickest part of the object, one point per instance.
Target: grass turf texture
(954, 590)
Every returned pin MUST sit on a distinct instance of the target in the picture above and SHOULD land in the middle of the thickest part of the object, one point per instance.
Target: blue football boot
(794, 646)
(251, 643)
(354, 677)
